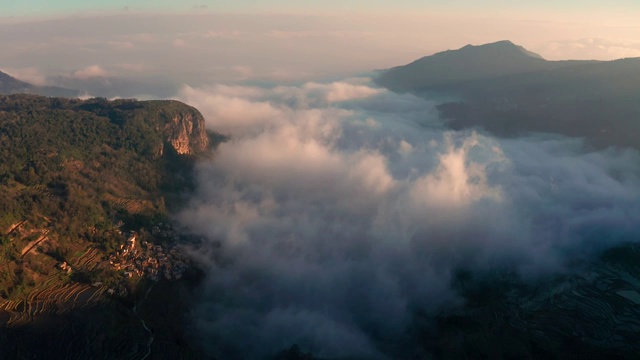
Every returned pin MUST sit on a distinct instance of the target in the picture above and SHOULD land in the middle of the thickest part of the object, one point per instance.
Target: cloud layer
(337, 212)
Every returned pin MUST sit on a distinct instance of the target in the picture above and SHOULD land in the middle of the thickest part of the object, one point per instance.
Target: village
(145, 259)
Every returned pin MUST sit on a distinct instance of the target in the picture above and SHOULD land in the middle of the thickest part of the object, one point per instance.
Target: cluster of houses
(144, 259)
(65, 267)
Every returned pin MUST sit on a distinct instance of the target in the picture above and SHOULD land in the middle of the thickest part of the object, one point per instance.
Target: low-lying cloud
(337, 212)
(89, 72)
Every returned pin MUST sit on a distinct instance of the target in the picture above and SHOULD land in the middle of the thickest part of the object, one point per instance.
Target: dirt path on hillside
(34, 243)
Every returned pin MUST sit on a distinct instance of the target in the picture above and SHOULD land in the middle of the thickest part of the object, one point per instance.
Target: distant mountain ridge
(508, 90)
(467, 63)
(10, 85)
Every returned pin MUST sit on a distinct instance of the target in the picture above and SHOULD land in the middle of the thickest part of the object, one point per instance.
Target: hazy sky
(121, 44)
(22, 7)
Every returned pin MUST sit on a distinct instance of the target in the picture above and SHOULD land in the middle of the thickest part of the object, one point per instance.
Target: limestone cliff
(172, 123)
(183, 127)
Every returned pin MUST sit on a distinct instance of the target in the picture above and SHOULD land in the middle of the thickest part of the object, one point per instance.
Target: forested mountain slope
(86, 189)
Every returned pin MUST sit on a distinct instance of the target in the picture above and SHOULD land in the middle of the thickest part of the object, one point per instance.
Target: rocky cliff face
(177, 124)
(185, 131)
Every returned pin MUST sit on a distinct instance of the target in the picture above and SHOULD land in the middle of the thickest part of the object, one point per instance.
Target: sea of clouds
(338, 211)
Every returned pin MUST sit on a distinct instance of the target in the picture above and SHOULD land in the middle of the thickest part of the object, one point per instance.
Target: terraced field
(130, 205)
(55, 314)
(76, 321)
(50, 297)
(51, 292)
(88, 260)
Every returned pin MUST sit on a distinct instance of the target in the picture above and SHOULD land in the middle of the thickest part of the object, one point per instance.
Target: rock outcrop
(172, 122)
(184, 129)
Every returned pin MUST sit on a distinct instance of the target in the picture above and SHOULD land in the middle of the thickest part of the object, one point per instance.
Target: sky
(44, 7)
(118, 45)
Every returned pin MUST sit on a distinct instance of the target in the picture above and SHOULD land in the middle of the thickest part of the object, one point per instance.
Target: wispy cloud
(179, 43)
(592, 48)
(92, 71)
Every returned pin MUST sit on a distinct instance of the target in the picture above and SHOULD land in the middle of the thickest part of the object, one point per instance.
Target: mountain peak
(502, 43)
(499, 47)
(470, 62)
(497, 44)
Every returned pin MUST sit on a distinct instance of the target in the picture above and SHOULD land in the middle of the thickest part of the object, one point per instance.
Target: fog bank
(338, 212)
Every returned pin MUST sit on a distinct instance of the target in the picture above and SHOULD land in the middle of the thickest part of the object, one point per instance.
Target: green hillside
(86, 189)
